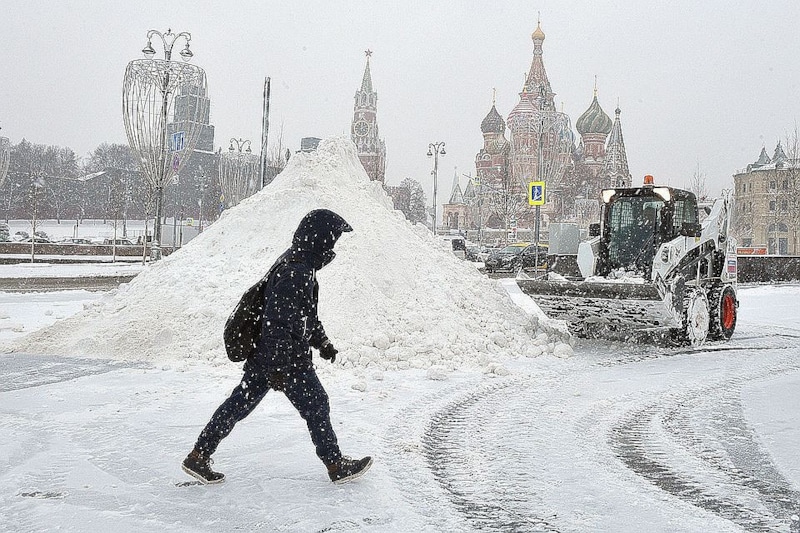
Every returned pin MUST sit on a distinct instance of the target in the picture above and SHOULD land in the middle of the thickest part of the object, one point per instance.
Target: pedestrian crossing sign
(536, 193)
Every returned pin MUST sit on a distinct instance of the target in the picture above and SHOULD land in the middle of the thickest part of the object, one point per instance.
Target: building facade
(455, 213)
(364, 128)
(767, 211)
(541, 148)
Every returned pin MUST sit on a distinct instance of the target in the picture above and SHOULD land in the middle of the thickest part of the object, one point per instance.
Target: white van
(458, 245)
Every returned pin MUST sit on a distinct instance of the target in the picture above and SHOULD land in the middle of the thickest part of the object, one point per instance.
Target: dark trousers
(304, 391)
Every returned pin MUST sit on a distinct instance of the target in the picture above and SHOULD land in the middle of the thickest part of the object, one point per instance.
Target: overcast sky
(705, 83)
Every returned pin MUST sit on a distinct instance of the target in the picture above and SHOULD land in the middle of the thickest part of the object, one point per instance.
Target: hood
(317, 233)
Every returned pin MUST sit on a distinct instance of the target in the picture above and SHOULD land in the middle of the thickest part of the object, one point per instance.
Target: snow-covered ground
(617, 438)
(481, 414)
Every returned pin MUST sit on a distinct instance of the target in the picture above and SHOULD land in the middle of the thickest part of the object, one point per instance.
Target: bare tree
(277, 157)
(789, 188)
(697, 183)
(409, 198)
(122, 189)
(506, 200)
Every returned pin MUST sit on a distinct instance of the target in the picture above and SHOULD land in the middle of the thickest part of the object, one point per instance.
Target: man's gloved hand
(277, 380)
(328, 352)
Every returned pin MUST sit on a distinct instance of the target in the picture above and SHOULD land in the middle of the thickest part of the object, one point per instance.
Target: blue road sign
(178, 141)
(536, 193)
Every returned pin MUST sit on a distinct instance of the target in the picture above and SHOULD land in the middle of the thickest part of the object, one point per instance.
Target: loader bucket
(587, 306)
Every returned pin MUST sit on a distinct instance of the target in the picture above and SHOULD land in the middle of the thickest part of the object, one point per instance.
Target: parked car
(118, 242)
(485, 252)
(501, 258)
(457, 244)
(516, 257)
(527, 259)
(477, 253)
(74, 240)
(36, 239)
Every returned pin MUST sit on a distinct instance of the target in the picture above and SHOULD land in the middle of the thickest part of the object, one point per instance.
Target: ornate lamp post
(149, 109)
(435, 149)
(239, 174)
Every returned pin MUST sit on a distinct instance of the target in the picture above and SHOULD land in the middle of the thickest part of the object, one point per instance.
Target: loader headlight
(663, 192)
(607, 194)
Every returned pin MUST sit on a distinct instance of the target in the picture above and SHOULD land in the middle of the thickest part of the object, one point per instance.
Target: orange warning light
(648, 180)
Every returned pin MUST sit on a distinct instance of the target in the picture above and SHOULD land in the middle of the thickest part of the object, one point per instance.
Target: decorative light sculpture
(239, 175)
(149, 96)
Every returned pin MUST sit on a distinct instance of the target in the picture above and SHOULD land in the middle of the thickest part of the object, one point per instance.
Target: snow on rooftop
(392, 298)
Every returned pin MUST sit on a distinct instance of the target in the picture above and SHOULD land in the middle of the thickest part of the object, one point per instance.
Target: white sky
(705, 83)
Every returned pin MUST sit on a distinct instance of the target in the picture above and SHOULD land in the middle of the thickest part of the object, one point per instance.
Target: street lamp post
(148, 102)
(435, 150)
(239, 172)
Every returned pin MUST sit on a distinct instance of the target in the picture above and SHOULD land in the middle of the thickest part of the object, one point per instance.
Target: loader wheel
(723, 313)
(695, 318)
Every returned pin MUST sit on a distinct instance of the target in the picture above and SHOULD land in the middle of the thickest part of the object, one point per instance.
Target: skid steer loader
(650, 267)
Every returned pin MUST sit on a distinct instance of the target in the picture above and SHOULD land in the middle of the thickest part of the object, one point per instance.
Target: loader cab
(637, 221)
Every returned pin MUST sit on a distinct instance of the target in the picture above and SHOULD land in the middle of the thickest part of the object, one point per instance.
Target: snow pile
(393, 297)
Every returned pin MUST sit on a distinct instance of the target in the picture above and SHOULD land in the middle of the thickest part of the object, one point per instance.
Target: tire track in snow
(696, 445)
(409, 460)
(458, 446)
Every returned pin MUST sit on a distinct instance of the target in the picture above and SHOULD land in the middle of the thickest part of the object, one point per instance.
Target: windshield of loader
(633, 232)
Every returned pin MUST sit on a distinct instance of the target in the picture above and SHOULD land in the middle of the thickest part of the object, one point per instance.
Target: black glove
(327, 351)
(277, 380)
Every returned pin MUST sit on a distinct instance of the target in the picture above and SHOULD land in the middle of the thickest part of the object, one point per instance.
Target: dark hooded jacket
(290, 325)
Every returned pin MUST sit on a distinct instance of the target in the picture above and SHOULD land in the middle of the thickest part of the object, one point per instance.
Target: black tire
(722, 313)
(695, 306)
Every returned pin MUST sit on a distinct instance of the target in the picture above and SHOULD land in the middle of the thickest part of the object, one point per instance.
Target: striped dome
(493, 123)
(594, 120)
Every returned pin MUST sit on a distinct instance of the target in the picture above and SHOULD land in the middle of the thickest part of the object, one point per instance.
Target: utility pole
(264, 133)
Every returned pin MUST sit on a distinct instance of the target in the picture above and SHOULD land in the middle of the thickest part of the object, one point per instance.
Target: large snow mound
(394, 297)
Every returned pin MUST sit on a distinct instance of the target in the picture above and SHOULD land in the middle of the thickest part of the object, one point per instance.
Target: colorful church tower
(492, 165)
(594, 126)
(615, 166)
(536, 95)
(364, 128)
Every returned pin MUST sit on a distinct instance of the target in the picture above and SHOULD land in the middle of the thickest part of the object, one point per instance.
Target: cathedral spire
(536, 83)
(456, 196)
(366, 83)
(615, 166)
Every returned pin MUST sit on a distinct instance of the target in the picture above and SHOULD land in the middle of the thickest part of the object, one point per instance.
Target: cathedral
(541, 147)
(364, 128)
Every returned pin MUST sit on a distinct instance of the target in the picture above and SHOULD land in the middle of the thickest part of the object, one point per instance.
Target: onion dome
(493, 123)
(594, 120)
(538, 35)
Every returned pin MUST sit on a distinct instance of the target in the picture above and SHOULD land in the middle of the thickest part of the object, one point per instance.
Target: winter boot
(346, 469)
(198, 465)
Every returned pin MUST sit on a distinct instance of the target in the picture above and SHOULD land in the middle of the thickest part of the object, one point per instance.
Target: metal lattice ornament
(5, 158)
(161, 134)
(238, 172)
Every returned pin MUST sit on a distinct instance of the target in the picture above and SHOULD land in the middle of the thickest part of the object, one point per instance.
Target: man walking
(282, 360)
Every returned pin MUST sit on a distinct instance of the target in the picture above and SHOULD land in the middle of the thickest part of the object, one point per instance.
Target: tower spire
(615, 166)
(366, 82)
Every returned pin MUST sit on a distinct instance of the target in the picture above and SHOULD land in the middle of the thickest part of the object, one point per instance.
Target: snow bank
(393, 298)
